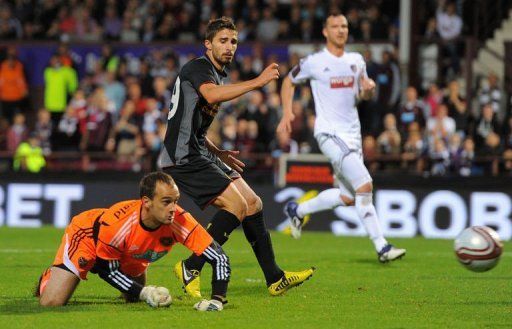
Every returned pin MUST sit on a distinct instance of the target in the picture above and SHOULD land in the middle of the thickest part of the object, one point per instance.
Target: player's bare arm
(216, 94)
(287, 91)
(367, 88)
(227, 156)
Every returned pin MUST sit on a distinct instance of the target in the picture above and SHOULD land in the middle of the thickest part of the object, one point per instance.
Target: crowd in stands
(120, 109)
(162, 20)
(115, 111)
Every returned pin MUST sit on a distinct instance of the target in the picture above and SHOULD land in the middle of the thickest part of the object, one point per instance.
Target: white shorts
(347, 163)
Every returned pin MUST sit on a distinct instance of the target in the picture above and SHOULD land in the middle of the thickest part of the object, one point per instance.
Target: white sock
(368, 216)
(327, 199)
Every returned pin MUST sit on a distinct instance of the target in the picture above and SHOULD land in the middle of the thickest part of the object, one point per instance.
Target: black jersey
(190, 115)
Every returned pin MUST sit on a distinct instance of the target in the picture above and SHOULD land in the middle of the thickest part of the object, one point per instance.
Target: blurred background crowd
(114, 115)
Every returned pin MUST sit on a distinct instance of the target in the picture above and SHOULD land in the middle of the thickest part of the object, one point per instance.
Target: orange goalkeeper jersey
(122, 237)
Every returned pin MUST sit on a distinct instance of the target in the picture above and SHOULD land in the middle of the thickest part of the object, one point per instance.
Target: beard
(222, 60)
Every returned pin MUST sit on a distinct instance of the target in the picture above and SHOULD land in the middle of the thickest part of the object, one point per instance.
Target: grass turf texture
(427, 289)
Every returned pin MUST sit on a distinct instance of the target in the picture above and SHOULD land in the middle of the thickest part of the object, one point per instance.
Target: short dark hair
(333, 13)
(215, 25)
(147, 184)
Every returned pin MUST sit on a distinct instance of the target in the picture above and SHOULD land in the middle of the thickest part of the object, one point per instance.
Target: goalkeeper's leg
(221, 271)
(56, 286)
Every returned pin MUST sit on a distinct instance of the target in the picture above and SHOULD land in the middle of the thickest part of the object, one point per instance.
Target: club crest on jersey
(353, 67)
(82, 262)
(166, 241)
(342, 82)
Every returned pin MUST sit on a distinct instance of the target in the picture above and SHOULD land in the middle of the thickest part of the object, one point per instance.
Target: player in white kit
(338, 80)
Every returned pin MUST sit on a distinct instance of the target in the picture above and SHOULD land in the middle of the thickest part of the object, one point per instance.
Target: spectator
(10, 27)
(431, 29)
(412, 110)
(115, 92)
(112, 24)
(148, 30)
(13, 87)
(98, 123)
(389, 140)
(283, 144)
(4, 128)
(491, 149)
(135, 96)
(441, 126)
(67, 135)
(167, 28)
(455, 150)
(268, 26)
(43, 130)
(60, 81)
(439, 158)
(486, 125)
(108, 61)
(353, 19)
(457, 108)
(127, 133)
(370, 152)
(465, 165)
(414, 146)
(388, 83)
(65, 55)
(17, 133)
(162, 94)
(86, 28)
(449, 26)
(433, 98)
(128, 33)
(507, 134)
(507, 161)
(490, 93)
(29, 156)
(379, 25)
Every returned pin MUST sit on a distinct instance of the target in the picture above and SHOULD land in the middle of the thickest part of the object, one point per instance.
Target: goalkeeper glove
(156, 296)
(209, 305)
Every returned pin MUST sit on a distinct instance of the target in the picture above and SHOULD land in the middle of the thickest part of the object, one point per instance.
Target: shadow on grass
(30, 305)
(368, 261)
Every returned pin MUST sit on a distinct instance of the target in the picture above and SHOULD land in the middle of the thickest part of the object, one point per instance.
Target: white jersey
(335, 86)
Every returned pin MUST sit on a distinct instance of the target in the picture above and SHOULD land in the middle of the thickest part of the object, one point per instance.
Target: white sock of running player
(327, 199)
(368, 215)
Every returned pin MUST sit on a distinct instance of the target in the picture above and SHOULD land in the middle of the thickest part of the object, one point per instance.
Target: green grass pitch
(350, 289)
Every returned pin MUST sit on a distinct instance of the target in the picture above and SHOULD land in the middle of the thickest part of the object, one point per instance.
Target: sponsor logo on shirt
(151, 255)
(342, 82)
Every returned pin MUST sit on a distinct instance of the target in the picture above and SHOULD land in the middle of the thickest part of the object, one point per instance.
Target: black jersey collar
(222, 73)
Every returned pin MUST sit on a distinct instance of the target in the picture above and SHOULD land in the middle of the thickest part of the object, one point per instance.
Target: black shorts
(203, 179)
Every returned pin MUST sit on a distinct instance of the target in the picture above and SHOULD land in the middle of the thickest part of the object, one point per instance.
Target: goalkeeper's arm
(109, 271)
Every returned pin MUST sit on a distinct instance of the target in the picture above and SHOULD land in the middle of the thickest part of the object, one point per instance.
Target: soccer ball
(478, 248)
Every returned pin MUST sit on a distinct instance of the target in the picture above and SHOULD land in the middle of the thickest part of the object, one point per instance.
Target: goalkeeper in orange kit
(120, 242)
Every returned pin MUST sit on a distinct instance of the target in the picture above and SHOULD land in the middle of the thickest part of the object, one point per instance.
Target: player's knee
(365, 188)
(51, 301)
(238, 207)
(348, 201)
(254, 204)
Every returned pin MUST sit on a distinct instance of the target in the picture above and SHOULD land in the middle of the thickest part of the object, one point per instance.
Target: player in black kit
(206, 173)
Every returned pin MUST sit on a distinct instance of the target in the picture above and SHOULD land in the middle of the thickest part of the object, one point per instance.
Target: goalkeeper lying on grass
(120, 242)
